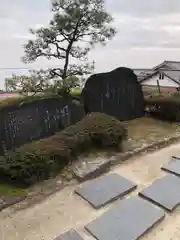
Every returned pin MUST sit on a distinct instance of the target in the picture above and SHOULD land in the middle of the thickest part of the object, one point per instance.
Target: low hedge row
(19, 101)
(45, 158)
(165, 108)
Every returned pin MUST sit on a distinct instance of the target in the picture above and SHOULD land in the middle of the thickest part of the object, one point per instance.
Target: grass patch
(149, 130)
(7, 190)
(76, 91)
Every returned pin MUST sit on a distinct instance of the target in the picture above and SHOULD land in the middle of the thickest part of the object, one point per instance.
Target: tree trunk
(158, 86)
(66, 64)
(68, 52)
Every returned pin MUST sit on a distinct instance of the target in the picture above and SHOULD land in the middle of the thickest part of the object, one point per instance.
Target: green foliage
(76, 26)
(37, 81)
(45, 158)
(176, 95)
(166, 108)
(11, 101)
(17, 83)
(76, 92)
(8, 190)
(65, 89)
(24, 100)
(40, 82)
(19, 101)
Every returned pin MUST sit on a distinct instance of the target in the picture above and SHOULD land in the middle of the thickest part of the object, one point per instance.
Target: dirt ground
(147, 130)
(65, 210)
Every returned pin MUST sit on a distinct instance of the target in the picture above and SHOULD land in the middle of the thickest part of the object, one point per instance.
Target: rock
(91, 168)
(126, 146)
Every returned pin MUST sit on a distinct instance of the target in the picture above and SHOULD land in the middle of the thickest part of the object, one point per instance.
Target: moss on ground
(7, 190)
(148, 130)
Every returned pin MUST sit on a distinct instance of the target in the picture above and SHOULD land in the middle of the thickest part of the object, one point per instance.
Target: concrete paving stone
(101, 191)
(130, 219)
(164, 192)
(173, 167)
(69, 235)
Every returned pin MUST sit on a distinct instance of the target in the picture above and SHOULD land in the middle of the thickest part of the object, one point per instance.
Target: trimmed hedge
(45, 158)
(165, 108)
(19, 101)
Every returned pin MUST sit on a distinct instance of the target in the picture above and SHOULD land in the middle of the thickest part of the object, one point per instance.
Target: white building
(164, 77)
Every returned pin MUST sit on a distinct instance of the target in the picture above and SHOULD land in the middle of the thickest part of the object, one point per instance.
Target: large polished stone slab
(69, 235)
(128, 220)
(164, 192)
(101, 191)
(173, 167)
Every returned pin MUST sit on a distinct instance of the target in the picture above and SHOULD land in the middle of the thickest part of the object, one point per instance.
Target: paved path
(65, 210)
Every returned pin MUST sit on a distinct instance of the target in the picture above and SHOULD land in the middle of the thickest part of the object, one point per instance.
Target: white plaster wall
(166, 82)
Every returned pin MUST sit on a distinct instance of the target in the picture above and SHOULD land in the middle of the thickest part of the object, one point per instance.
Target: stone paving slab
(103, 190)
(164, 192)
(173, 167)
(175, 157)
(130, 219)
(70, 235)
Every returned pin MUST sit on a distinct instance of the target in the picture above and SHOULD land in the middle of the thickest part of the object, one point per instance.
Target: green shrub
(176, 94)
(21, 100)
(45, 158)
(166, 108)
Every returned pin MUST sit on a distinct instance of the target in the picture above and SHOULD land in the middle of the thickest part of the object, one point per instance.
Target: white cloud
(142, 8)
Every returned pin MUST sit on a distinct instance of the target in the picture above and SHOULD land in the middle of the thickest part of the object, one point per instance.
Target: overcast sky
(148, 33)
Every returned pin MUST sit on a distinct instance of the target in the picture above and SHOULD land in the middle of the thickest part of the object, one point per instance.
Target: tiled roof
(169, 68)
(173, 74)
(173, 65)
(168, 65)
(141, 73)
(141, 70)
